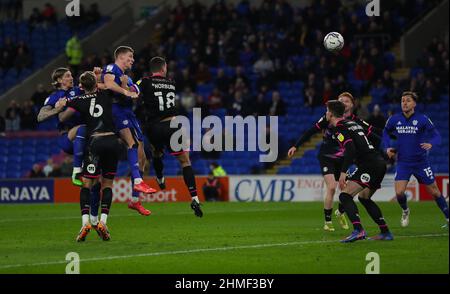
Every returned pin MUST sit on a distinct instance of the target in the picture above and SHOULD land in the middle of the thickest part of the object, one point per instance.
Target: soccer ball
(333, 42)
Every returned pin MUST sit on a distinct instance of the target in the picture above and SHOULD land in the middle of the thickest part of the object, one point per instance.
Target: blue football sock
(134, 163)
(78, 147)
(95, 199)
(403, 201)
(440, 201)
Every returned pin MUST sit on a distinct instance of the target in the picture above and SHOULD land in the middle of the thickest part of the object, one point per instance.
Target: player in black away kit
(368, 176)
(102, 150)
(158, 95)
(330, 156)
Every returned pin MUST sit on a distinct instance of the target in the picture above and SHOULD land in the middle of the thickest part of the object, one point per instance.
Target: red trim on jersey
(349, 140)
(91, 177)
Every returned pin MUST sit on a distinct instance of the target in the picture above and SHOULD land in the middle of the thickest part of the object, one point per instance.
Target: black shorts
(160, 133)
(101, 157)
(330, 166)
(369, 174)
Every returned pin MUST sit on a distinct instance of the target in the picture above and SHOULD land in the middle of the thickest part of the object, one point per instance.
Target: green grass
(230, 238)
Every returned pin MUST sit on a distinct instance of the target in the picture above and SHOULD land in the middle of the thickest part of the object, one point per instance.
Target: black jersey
(96, 111)
(354, 143)
(330, 147)
(158, 96)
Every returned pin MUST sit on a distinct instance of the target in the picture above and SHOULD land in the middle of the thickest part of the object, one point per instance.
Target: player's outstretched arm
(48, 111)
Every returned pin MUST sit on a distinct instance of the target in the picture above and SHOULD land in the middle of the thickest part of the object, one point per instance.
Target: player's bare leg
(400, 189)
(331, 185)
(189, 180)
(434, 191)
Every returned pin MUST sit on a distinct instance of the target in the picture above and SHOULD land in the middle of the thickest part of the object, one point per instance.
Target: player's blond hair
(57, 74)
(349, 95)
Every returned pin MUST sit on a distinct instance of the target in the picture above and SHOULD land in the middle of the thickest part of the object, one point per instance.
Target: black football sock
(158, 166)
(85, 198)
(189, 180)
(351, 210)
(327, 213)
(375, 213)
(341, 208)
(106, 204)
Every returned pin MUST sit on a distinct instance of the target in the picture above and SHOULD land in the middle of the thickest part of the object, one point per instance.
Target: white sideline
(202, 250)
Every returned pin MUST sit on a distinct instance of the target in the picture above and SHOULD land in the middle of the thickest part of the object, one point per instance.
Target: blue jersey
(410, 133)
(69, 94)
(120, 99)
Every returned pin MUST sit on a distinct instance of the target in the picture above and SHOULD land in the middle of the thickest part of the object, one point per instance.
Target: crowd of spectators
(242, 51)
(14, 55)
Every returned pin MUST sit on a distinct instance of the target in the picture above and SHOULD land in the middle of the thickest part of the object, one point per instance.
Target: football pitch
(231, 238)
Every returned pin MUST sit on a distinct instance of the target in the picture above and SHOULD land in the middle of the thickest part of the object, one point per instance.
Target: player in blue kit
(121, 88)
(72, 132)
(416, 135)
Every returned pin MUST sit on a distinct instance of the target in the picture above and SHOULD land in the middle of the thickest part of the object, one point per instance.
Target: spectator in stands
(7, 53)
(215, 100)
(23, 59)
(311, 99)
(377, 118)
(261, 108)
(66, 167)
(361, 110)
(277, 106)
(38, 97)
(28, 118)
(395, 93)
(13, 106)
(264, 64)
(202, 75)
(48, 168)
(238, 105)
(387, 80)
(35, 18)
(49, 14)
(36, 172)
(217, 170)
(430, 94)
(327, 93)
(12, 122)
(74, 53)
(364, 71)
(222, 81)
(56, 172)
(184, 79)
(211, 188)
